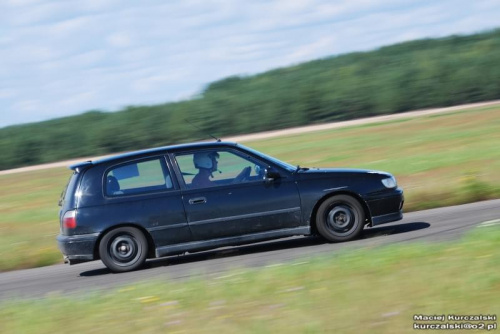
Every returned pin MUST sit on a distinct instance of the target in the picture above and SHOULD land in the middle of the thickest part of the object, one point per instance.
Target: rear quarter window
(69, 190)
(138, 177)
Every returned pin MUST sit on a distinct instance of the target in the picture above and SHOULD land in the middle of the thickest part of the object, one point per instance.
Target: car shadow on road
(382, 230)
(262, 247)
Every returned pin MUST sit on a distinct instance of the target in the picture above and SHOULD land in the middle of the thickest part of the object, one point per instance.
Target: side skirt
(230, 241)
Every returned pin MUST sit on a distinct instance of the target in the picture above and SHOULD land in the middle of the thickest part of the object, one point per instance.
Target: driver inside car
(207, 163)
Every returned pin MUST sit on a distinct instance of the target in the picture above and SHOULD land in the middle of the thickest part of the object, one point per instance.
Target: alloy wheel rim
(124, 250)
(341, 220)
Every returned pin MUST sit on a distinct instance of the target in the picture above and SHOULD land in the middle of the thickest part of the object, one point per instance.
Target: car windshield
(280, 163)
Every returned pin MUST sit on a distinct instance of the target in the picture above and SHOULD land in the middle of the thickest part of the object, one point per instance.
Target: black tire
(123, 249)
(340, 218)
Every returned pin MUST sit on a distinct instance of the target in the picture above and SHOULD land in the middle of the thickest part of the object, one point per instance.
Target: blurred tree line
(406, 76)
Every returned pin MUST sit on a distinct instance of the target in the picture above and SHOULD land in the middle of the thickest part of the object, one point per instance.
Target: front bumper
(391, 217)
(386, 208)
(77, 248)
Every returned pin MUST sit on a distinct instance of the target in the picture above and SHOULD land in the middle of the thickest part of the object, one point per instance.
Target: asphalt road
(430, 225)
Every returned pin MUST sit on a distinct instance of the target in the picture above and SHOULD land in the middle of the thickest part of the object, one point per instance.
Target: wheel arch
(149, 238)
(356, 196)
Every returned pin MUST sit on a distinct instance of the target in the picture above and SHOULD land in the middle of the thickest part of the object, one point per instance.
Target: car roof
(163, 149)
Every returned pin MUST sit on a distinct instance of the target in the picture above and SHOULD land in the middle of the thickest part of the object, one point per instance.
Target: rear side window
(69, 189)
(138, 177)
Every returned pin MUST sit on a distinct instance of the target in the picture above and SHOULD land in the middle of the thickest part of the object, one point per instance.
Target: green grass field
(376, 290)
(438, 160)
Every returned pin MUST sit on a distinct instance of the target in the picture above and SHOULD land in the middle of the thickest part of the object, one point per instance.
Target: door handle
(197, 200)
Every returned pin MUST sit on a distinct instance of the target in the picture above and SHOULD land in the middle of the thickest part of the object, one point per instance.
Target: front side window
(138, 177)
(209, 168)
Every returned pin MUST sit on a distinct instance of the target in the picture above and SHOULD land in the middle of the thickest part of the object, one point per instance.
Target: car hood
(323, 172)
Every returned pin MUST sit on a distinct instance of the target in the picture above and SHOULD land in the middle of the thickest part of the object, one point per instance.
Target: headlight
(390, 182)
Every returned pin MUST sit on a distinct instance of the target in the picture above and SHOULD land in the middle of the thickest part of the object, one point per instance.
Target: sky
(65, 57)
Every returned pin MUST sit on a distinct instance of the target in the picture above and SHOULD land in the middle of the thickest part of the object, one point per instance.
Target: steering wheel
(243, 175)
(259, 170)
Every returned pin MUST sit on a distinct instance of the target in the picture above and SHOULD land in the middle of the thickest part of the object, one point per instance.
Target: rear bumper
(77, 248)
(387, 208)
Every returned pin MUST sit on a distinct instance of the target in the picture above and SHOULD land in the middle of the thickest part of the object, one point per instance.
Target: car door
(144, 192)
(234, 200)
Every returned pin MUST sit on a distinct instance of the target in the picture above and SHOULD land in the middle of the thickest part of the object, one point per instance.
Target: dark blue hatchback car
(193, 197)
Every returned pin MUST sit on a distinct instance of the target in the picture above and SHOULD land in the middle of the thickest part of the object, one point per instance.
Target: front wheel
(123, 249)
(340, 218)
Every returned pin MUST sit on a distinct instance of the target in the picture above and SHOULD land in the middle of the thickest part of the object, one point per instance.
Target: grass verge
(375, 290)
(439, 160)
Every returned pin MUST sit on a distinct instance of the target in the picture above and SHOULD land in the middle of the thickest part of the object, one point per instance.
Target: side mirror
(270, 175)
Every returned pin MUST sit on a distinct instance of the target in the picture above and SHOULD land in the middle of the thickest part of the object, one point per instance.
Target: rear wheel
(340, 218)
(123, 249)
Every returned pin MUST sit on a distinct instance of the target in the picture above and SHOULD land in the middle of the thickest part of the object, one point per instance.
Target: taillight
(69, 219)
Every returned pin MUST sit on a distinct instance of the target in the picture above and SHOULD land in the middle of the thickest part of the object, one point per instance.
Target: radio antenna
(198, 128)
